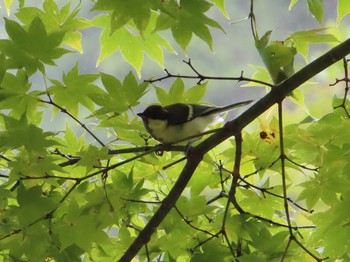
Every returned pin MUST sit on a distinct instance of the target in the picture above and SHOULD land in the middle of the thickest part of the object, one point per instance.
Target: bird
(176, 122)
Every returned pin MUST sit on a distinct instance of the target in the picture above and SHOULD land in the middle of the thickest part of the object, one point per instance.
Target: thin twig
(308, 251)
(141, 201)
(5, 158)
(302, 166)
(174, 163)
(253, 21)
(188, 222)
(228, 242)
(267, 191)
(65, 111)
(202, 77)
(346, 80)
(283, 168)
(205, 241)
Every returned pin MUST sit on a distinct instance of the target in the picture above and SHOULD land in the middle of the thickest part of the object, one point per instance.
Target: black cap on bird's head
(154, 112)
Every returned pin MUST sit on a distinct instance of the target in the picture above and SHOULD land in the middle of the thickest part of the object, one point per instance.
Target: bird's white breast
(165, 133)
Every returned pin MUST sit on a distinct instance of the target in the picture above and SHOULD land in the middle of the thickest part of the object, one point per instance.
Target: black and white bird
(176, 122)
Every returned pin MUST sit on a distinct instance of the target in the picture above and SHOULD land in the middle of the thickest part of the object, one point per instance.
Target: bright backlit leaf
(15, 94)
(343, 9)
(317, 9)
(24, 48)
(303, 39)
(132, 45)
(221, 5)
(56, 19)
(119, 96)
(187, 19)
(121, 12)
(277, 56)
(74, 90)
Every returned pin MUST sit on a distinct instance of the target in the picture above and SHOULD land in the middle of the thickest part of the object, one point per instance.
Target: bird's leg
(160, 148)
(189, 145)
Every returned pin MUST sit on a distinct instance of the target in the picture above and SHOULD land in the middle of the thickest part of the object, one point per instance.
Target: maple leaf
(33, 48)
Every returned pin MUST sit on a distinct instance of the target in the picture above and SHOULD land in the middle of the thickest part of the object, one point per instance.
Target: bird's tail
(230, 107)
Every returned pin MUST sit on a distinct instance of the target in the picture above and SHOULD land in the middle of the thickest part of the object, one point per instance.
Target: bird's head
(155, 118)
(155, 112)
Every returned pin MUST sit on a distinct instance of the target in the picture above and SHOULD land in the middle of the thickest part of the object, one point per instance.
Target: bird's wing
(177, 113)
(202, 110)
(182, 113)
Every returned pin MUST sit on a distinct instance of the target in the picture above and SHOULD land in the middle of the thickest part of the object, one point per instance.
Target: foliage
(85, 187)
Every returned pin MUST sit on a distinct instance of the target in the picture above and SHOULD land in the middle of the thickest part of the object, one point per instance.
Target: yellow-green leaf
(316, 9)
(343, 9)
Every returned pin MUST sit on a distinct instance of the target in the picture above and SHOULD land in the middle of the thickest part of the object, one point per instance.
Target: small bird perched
(176, 122)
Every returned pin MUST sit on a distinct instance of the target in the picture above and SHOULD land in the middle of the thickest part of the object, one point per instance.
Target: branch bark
(277, 94)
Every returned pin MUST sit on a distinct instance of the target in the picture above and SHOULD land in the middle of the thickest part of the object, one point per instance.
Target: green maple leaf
(121, 12)
(15, 94)
(343, 9)
(19, 133)
(186, 19)
(133, 90)
(177, 93)
(56, 19)
(75, 89)
(277, 56)
(131, 45)
(91, 156)
(71, 141)
(33, 165)
(316, 8)
(221, 5)
(119, 96)
(33, 204)
(302, 39)
(33, 48)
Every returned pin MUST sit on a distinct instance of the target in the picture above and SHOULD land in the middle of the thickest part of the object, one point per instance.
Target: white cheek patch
(157, 125)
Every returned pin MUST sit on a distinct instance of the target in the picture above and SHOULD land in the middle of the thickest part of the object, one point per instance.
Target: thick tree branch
(277, 94)
(168, 203)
